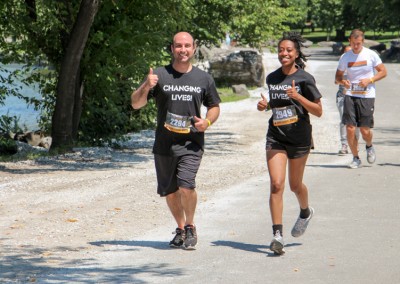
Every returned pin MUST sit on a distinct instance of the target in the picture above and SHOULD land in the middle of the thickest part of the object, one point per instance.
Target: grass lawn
(320, 35)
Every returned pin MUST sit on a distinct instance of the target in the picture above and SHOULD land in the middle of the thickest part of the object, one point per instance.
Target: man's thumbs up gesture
(152, 79)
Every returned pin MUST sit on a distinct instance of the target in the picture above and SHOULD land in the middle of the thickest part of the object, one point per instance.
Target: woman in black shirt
(292, 96)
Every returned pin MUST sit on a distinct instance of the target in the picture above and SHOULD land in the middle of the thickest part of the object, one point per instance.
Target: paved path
(353, 237)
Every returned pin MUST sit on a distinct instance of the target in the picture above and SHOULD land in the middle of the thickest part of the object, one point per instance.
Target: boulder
(368, 43)
(393, 53)
(233, 66)
(33, 138)
(240, 90)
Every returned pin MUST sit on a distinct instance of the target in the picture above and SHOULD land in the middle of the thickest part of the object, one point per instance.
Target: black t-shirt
(181, 94)
(298, 133)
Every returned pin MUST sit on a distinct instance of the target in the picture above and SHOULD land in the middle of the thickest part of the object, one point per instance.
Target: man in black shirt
(179, 90)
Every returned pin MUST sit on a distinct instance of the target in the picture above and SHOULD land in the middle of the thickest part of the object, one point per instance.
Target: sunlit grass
(227, 95)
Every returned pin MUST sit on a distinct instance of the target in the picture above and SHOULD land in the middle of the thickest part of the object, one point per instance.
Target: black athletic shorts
(174, 172)
(293, 152)
(358, 111)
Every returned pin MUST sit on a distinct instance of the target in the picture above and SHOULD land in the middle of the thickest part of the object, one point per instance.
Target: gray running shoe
(371, 157)
(179, 238)
(343, 150)
(190, 241)
(301, 224)
(277, 244)
(355, 164)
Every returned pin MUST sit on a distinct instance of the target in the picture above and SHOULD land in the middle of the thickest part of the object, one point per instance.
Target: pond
(13, 106)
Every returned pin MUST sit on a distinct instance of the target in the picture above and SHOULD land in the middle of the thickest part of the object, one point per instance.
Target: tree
(97, 52)
(69, 88)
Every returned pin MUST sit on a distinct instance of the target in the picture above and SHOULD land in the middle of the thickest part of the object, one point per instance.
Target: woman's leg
(296, 173)
(276, 161)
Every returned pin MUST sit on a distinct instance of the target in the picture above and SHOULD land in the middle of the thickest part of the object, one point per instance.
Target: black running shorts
(174, 172)
(358, 111)
(293, 152)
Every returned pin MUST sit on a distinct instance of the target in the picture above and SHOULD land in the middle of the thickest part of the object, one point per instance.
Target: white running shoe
(371, 157)
(343, 150)
(301, 225)
(355, 164)
(277, 244)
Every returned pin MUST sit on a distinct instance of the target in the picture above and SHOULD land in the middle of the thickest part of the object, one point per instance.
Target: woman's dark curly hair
(298, 41)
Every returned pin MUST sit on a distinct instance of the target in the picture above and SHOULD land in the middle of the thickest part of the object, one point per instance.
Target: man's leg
(366, 133)
(188, 203)
(174, 203)
(352, 140)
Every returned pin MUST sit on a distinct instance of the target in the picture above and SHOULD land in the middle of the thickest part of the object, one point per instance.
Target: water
(13, 106)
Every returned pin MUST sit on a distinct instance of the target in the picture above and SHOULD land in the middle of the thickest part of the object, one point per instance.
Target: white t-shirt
(360, 66)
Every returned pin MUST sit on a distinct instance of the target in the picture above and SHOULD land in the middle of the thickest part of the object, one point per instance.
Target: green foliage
(7, 146)
(340, 15)
(9, 124)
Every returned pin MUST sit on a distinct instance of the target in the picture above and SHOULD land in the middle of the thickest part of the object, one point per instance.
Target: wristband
(372, 80)
(209, 122)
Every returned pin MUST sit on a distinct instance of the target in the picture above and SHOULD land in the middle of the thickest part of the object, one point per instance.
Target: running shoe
(371, 157)
(355, 164)
(301, 224)
(190, 241)
(179, 238)
(343, 150)
(277, 244)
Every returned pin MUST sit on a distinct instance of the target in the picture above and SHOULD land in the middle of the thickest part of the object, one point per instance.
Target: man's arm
(139, 97)
(339, 79)
(380, 74)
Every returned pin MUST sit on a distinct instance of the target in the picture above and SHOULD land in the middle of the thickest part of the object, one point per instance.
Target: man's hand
(346, 84)
(200, 124)
(365, 82)
(152, 79)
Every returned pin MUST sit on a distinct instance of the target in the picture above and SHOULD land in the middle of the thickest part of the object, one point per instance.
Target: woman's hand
(262, 104)
(292, 92)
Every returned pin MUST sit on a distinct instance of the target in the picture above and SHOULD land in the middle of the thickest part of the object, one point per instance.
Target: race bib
(358, 90)
(284, 115)
(178, 123)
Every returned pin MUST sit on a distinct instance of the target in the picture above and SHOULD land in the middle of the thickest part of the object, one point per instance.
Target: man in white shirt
(363, 67)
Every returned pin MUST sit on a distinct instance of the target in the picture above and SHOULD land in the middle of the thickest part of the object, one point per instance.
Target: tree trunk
(77, 105)
(340, 35)
(62, 122)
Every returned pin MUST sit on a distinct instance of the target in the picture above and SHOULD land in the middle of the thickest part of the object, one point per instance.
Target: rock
(327, 43)
(240, 90)
(368, 43)
(393, 53)
(236, 66)
(24, 148)
(379, 47)
(307, 43)
(33, 138)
